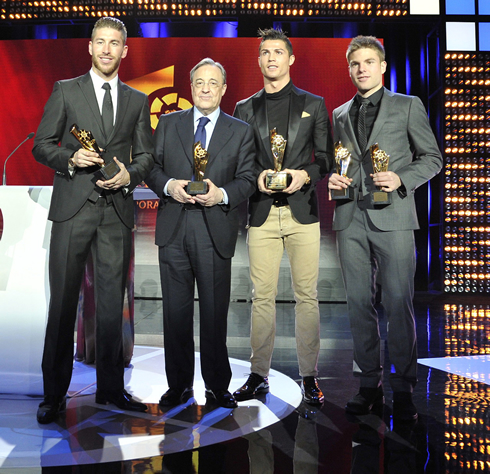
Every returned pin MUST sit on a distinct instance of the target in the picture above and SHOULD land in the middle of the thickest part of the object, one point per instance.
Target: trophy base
(197, 187)
(108, 171)
(277, 181)
(381, 198)
(342, 194)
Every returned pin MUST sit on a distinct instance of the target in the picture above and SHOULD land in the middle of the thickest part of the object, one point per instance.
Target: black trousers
(188, 258)
(96, 226)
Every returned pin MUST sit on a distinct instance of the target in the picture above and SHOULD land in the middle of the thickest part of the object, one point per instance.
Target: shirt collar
(99, 82)
(213, 116)
(373, 98)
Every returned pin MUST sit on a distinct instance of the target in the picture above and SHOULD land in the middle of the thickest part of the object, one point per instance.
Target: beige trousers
(266, 245)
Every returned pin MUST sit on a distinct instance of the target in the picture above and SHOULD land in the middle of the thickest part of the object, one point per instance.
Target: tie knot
(365, 102)
(203, 121)
(106, 86)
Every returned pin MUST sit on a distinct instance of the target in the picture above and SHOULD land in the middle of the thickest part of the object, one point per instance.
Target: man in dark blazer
(196, 234)
(372, 237)
(286, 219)
(92, 213)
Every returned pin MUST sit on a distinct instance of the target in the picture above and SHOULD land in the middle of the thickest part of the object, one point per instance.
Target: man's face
(366, 71)
(107, 49)
(274, 60)
(207, 88)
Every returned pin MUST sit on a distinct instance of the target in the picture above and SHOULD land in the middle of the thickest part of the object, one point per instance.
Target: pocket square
(305, 114)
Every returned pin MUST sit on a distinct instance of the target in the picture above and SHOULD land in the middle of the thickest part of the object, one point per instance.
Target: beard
(106, 69)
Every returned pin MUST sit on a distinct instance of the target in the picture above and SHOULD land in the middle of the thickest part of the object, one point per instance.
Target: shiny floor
(452, 434)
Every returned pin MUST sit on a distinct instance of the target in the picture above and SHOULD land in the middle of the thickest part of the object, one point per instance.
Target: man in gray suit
(92, 213)
(372, 237)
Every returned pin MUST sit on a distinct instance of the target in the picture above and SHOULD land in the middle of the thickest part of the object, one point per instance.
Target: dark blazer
(74, 101)
(401, 129)
(230, 166)
(309, 147)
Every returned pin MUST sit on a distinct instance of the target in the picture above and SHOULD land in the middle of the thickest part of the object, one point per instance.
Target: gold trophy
(342, 162)
(201, 157)
(380, 160)
(278, 180)
(87, 140)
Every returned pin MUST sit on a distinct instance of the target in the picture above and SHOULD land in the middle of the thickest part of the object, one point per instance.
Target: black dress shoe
(222, 397)
(174, 396)
(50, 408)
(311, 391)
(255, 385)
(403, 407)
(368, 399)
(119, 398)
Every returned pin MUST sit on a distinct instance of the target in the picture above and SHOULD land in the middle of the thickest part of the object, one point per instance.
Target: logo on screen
(163, 98)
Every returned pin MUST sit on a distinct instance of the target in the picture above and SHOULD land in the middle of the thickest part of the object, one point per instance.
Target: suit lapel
(123, 99)
(387, 104)
(296, 109)
(346, 125)
(185, 130)
(221, 136)
(87, 88)
(260, 113)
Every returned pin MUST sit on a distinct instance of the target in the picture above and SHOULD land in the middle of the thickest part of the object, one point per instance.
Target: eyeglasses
(199, 84)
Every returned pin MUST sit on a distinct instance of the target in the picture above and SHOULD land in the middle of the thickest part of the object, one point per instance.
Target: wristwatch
(71, 162)
(308, 179)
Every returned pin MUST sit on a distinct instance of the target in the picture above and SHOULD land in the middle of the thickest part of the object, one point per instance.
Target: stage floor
(277, 434)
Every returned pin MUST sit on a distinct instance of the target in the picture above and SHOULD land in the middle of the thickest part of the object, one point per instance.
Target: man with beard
(92, 212)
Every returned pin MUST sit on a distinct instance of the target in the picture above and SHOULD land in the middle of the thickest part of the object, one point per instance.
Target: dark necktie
(107, 111)
(200, 135)
(361, 124)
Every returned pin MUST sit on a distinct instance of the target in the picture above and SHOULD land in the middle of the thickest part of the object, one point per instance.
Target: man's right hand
(85, 158)
(261, 182)
(336, 181)
(176, 190)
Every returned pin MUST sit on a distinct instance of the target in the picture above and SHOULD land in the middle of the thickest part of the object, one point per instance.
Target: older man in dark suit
(285, 219)
(92, 212)
(372, 234)
(197, 233)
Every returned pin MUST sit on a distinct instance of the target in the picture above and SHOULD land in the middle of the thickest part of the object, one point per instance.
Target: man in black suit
(196, 234)
(92, 213)
(286, 219)
(372, 237)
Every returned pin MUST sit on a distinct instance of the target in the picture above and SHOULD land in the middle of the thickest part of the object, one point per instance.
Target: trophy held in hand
(380, 160)
(201, 157)
(342, 162)
(109, 169)
(278, 180)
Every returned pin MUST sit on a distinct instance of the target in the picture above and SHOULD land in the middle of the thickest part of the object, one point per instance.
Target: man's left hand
(212, 197)
(298, 180)
(123, 178)
(387, 180)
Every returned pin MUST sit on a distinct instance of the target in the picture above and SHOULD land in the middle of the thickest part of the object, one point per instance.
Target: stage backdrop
(159, 67)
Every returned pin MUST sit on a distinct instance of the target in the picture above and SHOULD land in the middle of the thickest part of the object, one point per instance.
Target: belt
(280, 202)
(193, 207)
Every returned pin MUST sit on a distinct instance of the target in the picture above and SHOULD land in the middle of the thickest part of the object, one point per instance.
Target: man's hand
(176, 190)
(212, 197)
(85, 158)
(387, 180)
(122, 178)
(261, 182)
(298, 180)
(338, 182)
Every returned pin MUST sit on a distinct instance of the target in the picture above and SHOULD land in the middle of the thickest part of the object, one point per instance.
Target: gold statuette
(278, 180)
(342, 162)
(198, 186)
(380, 160)
(87, 140)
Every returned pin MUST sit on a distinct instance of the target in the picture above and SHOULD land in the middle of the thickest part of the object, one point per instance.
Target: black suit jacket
(74, 101)
(309, 147)
(230, 166)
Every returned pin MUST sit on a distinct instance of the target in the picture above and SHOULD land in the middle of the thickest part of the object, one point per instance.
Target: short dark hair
(109, 22)
(208, 62)
(371, 42)
(275, 34)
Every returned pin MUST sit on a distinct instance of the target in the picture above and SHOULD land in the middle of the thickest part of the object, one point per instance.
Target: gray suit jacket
(230, 166)
(401, 129)
(73, 101)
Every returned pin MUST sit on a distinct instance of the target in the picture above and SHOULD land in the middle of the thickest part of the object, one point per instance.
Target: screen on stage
(157, 66)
